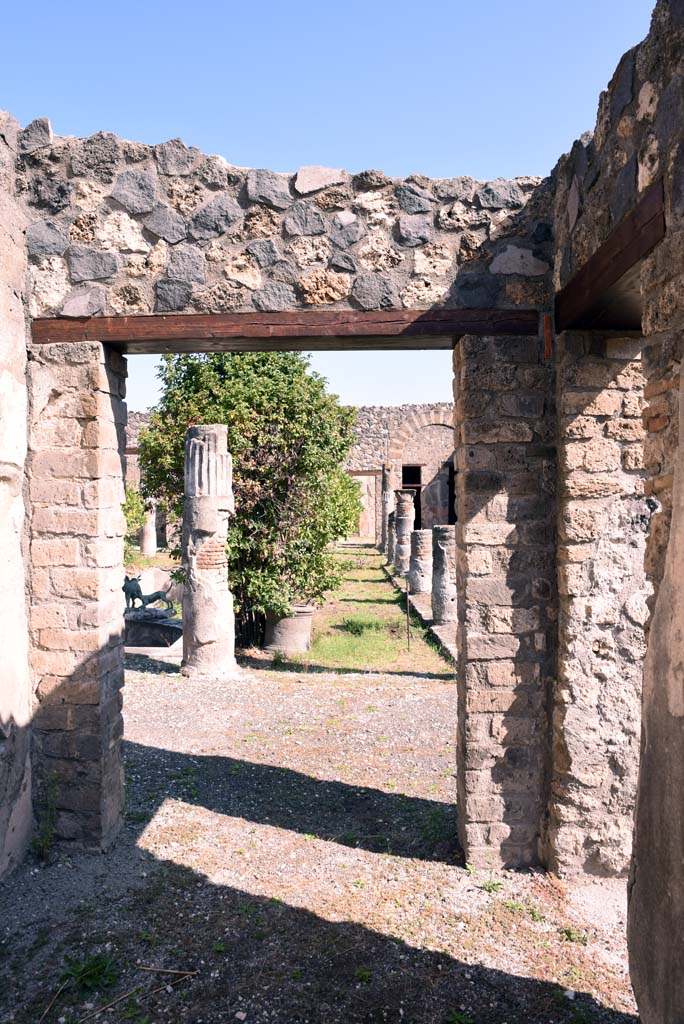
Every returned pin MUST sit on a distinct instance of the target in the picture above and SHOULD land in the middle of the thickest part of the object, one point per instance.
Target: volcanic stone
(172, 296)
(343, 261)
(371, 179)
(174, 157)
(374, 291)
(269, 188)
(36, 135)
(413, 199)
(264, 251)
(90, 264)
(313, 179)
(136, 191)
(47, 238)
(167, 224)
(500, 195)
(414, 229)
(275, 297)
(215, 217)
(86, 300)
(304, 219)
(186, 263)
(97, 156)
(347, 229)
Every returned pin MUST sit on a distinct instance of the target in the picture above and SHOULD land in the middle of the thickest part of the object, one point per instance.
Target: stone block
(57, 551)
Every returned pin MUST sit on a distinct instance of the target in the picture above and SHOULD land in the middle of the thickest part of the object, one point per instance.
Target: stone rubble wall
(505, 579)
(380, 431)
(122, 228)
(75, 475)
(603, 519)
(15, 681)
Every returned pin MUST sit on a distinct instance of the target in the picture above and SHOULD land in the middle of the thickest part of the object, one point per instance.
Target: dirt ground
(290, 843)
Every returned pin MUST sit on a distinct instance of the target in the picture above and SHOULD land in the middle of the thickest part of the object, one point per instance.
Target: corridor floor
(289, 840)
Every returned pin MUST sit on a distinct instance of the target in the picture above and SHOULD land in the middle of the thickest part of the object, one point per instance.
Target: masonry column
(386, 508)
(603, 518)
(404, 517)
(506, 594)
(208, 621)
(420, 565)
(391, 537)
(148, 533)
(75, 488)
(444, 597)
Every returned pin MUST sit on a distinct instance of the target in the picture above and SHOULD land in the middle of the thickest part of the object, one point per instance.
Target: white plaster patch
(121, 233)
(243, 269)
(434, 260)
(514, 260)
(422, 292)
(90, 195)
(49, 285)
(649, 163)
(380, 254)
(647, 102)
(308, 251)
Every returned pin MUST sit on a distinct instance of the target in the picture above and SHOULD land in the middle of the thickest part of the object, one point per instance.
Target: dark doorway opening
(411, 480)
(452, 493)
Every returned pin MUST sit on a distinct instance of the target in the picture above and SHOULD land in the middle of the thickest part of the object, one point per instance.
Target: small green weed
(514, 906)
(363, 975)
(535, 914)
(573, 935)
(94, 972)
(491, 886)
(278, 660)
(357, 625)
(457, 1017)
(47, 819)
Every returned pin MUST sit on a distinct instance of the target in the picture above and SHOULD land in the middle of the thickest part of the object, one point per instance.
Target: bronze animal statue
(133, 592)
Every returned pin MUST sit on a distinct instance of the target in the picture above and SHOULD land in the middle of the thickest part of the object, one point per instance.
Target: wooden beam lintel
(305, 329)
(593, 297)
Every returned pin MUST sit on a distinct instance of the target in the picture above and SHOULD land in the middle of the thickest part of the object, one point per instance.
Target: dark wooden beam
(311, 330)
(605, 293)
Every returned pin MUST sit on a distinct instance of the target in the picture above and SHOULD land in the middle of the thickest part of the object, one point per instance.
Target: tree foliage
(288, 439)
(134, 511)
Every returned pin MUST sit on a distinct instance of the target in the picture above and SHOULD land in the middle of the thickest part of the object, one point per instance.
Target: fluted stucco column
(208, 621)
(405, 515)
(444, 601)
(148, 533)
(386, 508)
(420, 565)
(391, 538)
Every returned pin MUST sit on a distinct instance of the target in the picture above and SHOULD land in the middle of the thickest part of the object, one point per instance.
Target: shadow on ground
(272, 962)
(355, 816)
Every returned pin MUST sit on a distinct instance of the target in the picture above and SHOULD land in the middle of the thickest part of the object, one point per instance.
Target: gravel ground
(290, 839)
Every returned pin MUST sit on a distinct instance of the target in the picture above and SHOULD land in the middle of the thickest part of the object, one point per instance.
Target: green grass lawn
(362, 626)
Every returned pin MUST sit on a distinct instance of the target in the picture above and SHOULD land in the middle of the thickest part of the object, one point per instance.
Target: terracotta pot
(289, 634)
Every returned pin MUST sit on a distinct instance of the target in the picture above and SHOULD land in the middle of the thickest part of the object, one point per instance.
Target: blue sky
(487, 89)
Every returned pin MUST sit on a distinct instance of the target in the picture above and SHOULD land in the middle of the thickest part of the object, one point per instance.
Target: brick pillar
(75, 487)
(602, 523)
(505, 577)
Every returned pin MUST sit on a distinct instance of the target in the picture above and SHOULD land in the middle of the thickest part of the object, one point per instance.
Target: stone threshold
(421, 604)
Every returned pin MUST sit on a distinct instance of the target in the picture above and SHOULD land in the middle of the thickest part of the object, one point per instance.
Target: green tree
(134, 511)
(288, 438)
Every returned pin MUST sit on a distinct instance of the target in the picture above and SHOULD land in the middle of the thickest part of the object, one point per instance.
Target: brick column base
(75, 489)
(506, 594)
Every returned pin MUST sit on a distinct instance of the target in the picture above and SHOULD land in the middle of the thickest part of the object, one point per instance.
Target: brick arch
(417, 421)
